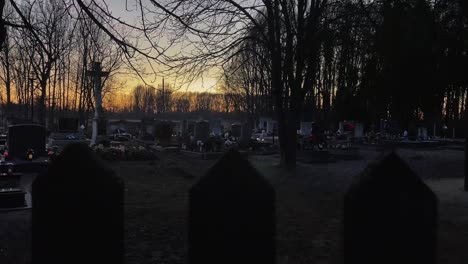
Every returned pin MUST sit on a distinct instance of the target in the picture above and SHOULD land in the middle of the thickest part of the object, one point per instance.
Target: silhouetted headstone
(390, 216)
(68, 124)
(232, 215)
(102, 127)
(236, 131)
(24, 137)
(202, 131)
(191, 127)
(184, 127)
(246, 132)
(216, 127)
(77, 214)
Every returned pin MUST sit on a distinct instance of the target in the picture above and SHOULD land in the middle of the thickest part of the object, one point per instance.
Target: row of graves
(416, 134)
(205, 139)
(28, 149)
(346, 141)
(210, 140)
(232, 215)
(69, 130)
(316, 144)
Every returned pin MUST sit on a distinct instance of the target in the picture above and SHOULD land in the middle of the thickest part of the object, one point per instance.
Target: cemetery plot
(68, 132)
(204, 144)
(309, 206)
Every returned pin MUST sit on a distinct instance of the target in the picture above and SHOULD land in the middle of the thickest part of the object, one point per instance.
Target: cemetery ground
(309, 207)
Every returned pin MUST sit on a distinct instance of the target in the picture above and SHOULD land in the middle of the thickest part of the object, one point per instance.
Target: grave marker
(68, 124)
(216, 127)
(77, 214)
(236, 130)
(96, 73)
(202, 131)
(24, 137)
(390, 216)
(232, 215)
(306, 128)
(246, 132)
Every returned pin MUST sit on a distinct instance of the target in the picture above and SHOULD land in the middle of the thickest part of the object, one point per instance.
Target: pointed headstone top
(233, 172)
(390, 174)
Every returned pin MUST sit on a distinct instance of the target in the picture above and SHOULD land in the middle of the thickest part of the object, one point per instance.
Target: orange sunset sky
(125, 10)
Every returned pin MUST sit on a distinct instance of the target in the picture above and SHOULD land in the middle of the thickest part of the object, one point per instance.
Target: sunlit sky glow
(125, 10)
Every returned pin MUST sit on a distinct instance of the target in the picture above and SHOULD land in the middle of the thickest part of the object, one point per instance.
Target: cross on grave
(96, 73)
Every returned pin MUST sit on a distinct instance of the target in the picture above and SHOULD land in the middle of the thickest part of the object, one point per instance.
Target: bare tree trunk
(8, 80)
(466, 144)
(3, 32)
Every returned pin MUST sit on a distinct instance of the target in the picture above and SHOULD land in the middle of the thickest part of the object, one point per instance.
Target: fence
(390, 215)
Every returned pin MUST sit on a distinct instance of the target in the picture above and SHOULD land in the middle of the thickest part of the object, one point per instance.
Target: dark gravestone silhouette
(390, 216)
(202, 131)
(24, 137)
(102, 127)
(236, 131)
(77, 214)
(68, 124)
(232, 215)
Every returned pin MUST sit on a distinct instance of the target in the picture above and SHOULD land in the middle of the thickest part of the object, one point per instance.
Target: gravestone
(390, 216)
(422, 133)
(202, 131)
(236, 130)
(246, 132)
(68, 124)
(358, 130)
(306, 128)
(216, 127)
(102, 127)
(191, 127)
(177, 127)
(184, 127)
(232, 215)
(24, 137)
(77, 214)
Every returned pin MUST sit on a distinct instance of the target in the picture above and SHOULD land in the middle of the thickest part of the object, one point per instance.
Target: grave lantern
(30, 154)
(10, 169)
